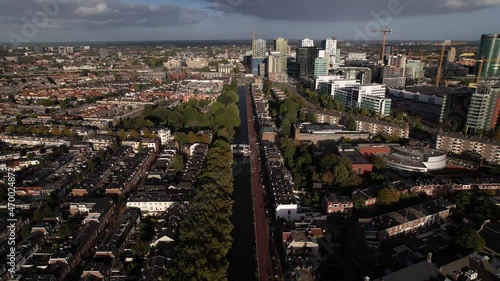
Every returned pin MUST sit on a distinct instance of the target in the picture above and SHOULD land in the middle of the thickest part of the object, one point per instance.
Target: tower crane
(253, 40)
(481, 63)
(445, 44)
(385, 31)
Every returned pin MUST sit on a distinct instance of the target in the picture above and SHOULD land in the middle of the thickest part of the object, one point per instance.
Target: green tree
(204, 237)
(378, 163)
(178, 164)
(288, 150)
(285, 128)
(268, 85)
(327, 178)
(359, 204)
(65, 231)
(351, 124)
(341, 175)
(25, 231)
(134, 134)
(462, 200)
(228, 97)
(122, 135)
(140, 249)
(470, 239)
(192, 137)
(387, 196)
(310, 117)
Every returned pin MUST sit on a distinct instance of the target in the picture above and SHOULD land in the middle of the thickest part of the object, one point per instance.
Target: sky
(24, 21)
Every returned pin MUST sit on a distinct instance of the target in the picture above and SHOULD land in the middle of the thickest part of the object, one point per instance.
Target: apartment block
(456, 143)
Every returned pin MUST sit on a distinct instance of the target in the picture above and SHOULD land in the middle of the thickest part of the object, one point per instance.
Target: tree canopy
(470, 239)
(205, 234)
(387, 196)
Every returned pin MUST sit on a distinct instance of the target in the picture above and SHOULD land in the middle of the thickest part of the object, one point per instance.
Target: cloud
(99, 9)
(342, 10)
(100, 14)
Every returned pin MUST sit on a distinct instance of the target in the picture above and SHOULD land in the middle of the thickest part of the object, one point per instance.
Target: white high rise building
(306, 42)
(371, 97)
(260, 48)
(330, 46)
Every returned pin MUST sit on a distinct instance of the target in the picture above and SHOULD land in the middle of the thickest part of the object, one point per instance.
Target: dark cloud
(98, 13)
(341, 10)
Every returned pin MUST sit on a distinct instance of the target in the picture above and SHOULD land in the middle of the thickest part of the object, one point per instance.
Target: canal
(242, 264)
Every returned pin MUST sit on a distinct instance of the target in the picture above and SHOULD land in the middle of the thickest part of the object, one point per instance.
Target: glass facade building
(489, 51)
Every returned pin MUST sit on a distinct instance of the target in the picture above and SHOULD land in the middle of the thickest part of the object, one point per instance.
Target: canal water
(242, 264)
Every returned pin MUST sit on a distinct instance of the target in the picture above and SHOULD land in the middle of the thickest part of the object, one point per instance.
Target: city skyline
(155, 20)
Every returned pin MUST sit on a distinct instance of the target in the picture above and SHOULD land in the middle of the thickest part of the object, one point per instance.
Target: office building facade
(371, 97)
(259, 48)
(330, 47)
(281, 46)
(306, 42)
(484, 108)
(320, 67)
(306, 57)
(380, 105)
(489, 51)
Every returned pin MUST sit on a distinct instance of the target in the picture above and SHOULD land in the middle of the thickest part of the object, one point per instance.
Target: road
(264, 262)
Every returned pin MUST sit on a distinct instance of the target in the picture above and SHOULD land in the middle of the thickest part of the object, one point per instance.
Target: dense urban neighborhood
(235, 160)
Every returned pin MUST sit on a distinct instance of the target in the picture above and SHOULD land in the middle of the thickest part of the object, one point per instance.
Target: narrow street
(264, 262)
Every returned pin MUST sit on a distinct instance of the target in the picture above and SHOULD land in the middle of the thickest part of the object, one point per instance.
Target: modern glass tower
(489, 52)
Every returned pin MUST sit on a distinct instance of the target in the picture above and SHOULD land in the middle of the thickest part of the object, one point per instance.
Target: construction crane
(385, 31)
(445, 44)
(481, 63)
(253, 40)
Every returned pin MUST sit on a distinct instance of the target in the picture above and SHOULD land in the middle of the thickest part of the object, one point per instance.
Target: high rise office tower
(489, 52)
(320, 67)
(330, 47)
(484, 108)
(260, 48)
(305, 61)
(281, 46)
(274, 63)
(274, 72)
(306, 42)
(451, 55)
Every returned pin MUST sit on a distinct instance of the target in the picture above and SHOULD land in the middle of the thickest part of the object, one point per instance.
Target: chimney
(429, 257)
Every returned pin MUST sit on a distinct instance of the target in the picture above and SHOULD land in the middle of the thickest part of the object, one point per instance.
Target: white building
(287, 212)
(415, 159)
(155, 203)
(356, 56)
(371, 97)
(331, 86)
(165, 136)
(259, 48)
(381, 105)
(306, 42)
(32, 141)
(330, 46)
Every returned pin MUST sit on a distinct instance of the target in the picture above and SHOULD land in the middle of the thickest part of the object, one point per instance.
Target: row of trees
(289, 112)
(191, 137)
(205, 234)
(40, 131)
